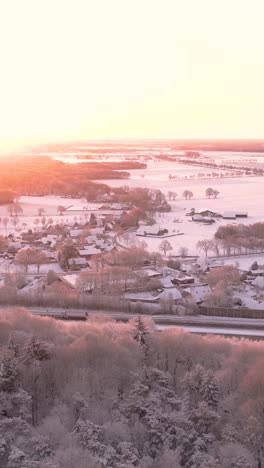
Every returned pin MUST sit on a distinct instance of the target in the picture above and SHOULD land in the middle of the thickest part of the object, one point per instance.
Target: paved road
(194, 324)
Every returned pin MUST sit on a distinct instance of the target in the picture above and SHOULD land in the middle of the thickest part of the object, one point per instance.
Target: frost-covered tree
(165, 246)
(13, 345)
(209, 389)
(141, 334)
(35, 354)
(16, 458)
(8, 373)
(36, 350)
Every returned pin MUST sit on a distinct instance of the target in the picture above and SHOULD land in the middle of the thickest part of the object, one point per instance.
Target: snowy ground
(50, 203)
(243, 194)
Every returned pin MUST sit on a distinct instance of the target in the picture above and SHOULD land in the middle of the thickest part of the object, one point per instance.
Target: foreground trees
(109, 395)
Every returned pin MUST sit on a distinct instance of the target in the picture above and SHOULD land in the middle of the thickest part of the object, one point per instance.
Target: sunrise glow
(123, 68)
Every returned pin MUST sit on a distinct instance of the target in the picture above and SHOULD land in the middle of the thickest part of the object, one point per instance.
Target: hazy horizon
(119, 70)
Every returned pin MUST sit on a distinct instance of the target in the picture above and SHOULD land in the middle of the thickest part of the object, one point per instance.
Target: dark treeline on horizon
(100, 146)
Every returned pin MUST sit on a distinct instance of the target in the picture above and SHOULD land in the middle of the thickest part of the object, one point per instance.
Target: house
(199, 292)
(177, 277)
(229, 215)
(208, 213)
(173, 295)
(154, 230)
(235, 214)
(256, 273)
(74, 233)
(77, 262)
(258, 282)
(142, 297)
(115, 206)
(148, 272)
(241, 214)
(154, 298)
(166, 282)
(202, 219)
(89, 252)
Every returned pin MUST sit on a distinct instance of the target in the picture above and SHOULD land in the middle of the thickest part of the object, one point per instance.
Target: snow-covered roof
(155, 229)
(229, 214)
(89, 250)
(96, 230)
(203, 210)
(75, 232)
(166, 282)
(170, 295)
(234, 214)
(77, 261)
(148, 272)
(71, 279)
(142, 296)
(175, 274)
(259, 282)
(199, 291)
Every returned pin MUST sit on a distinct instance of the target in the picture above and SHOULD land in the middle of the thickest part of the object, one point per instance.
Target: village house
(148, 273)
(154, 230)
(89, 252)
(199, 292)
(234, 214)
(177, 277)
(202, 219)
(77, 263)
(205, 212)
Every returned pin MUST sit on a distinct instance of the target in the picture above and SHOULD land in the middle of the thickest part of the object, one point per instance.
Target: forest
(44, 176)
(102, 394)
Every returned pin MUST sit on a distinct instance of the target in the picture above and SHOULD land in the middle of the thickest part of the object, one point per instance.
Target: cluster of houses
(176, 288)
(89, 240)
(207, 216)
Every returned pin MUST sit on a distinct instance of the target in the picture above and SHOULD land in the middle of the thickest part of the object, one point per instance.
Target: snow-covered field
(31, 206)
(242, 194)
(245, 194)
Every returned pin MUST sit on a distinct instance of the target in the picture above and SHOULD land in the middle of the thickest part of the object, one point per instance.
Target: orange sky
(130, 68)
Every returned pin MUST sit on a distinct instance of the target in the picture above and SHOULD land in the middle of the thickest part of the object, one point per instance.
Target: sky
(80, 69)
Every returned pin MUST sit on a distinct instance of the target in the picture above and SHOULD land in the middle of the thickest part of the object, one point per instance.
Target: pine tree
(141, 335)
(16, 458)
(8, 373)
(36, 350)
(12, 344)
(210, 390)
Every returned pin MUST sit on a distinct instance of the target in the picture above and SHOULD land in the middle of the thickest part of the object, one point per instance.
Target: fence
(240, 312)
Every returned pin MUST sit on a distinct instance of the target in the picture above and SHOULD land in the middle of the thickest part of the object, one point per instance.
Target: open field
(242, 194)
(245, 194)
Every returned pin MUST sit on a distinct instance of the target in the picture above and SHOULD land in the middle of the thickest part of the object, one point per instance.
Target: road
(194, 324)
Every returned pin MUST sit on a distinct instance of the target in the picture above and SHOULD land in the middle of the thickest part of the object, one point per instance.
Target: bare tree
(165, 246)
(209, 192)
(205, 245)
(5, 222)
(41, 211)
(216, 193)
(187, 194)
(61, 210)
(183, 251)
(23, 258)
